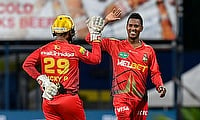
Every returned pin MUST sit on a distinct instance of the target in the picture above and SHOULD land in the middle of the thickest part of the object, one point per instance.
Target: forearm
(87, 39)
(95, 55)
(157, 80)
(30, 64)
(30, 70)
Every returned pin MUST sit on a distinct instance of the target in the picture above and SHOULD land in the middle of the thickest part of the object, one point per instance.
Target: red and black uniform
(59, 60)
(130, 70)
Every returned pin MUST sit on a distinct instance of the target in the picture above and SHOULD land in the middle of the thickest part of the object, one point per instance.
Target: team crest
(145, 58)
(123, 55)
(56, 47)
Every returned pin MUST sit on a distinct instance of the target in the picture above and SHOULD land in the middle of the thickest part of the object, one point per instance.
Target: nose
(132, 28)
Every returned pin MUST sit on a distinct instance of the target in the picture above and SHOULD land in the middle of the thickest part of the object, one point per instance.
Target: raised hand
(114, 15)
(95, 26)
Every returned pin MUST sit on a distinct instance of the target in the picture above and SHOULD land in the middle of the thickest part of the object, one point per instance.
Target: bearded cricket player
(59, 75)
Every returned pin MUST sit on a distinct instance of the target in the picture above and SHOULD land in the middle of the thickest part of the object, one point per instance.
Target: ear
(141, 29)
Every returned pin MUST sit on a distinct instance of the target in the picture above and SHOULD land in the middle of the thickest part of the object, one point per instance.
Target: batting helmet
(62, 24)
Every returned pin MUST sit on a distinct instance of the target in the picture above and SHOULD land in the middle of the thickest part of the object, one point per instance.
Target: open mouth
(132, 33)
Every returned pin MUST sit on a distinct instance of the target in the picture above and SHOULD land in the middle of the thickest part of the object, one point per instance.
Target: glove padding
(49, 88)
(162, 90)
(95, 26)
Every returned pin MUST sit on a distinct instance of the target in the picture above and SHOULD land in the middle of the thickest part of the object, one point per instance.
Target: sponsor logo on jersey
(55, 53)
(122, 109)
(123, 55)
(132, 65)
(145, 58)
(142, 112)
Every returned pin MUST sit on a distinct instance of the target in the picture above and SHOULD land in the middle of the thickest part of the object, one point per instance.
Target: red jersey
(131, 67)
(59, 60)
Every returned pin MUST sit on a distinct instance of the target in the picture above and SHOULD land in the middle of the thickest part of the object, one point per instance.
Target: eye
(130, 25)
(136, 26)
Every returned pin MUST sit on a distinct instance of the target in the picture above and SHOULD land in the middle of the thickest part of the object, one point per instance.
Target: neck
(61, 38)
(135, 43)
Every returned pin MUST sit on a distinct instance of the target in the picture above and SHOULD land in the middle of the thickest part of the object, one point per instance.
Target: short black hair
(135, 16)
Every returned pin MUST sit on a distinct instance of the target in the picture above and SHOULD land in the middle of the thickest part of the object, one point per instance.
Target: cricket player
(132, 61)
(59, 75)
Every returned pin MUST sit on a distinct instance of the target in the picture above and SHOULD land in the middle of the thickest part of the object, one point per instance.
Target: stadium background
(20, 96)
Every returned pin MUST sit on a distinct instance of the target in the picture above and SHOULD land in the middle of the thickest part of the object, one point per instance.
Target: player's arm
(156, 75)
(114, 15)
(49, 88)
(96, 24)
(30, 64)
(93, 57)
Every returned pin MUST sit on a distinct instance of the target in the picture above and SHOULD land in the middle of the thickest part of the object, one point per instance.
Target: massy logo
(123, 55)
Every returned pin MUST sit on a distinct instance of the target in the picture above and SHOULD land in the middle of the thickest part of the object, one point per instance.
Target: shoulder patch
(82, 50)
